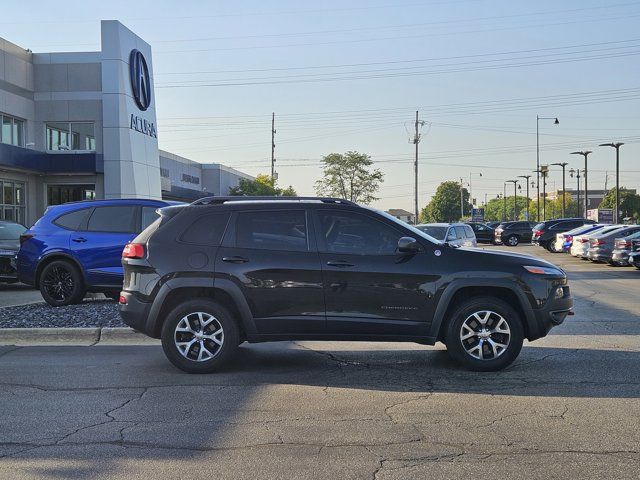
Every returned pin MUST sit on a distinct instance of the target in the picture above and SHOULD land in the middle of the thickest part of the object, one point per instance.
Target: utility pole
(416, 141)
(273, 148)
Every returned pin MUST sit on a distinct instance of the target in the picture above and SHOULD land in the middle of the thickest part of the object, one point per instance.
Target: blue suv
(76, 247)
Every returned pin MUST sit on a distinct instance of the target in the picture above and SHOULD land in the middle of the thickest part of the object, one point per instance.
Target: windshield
(413, 229)
(434, 231)
(11, 231)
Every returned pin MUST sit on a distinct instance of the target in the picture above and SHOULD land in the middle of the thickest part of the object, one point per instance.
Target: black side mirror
(408, 245)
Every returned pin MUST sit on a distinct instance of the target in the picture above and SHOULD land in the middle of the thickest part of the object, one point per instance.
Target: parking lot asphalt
(12, 294)
(569, 407)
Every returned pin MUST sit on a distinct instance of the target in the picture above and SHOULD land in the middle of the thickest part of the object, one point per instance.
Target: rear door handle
(339, 263)
(79, 239)
(235, 259)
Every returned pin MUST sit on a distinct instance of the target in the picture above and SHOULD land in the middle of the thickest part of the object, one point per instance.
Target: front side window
(113, 219)
(70, 136)
(451, 235)
(272, 230)
(357, 234)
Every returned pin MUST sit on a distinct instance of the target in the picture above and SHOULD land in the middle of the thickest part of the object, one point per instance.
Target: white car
(456, 234)
(561, 238)
(580, 244)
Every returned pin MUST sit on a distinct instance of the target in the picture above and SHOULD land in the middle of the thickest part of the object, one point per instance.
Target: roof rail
(222, 200)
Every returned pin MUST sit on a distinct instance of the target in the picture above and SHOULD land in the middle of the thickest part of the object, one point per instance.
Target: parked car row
(618, 245)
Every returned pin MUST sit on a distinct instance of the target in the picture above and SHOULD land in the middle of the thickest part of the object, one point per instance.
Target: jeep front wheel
(484, 334)
(199, 336)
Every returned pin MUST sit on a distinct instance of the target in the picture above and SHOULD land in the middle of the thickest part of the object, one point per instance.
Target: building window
(12, 201)
(12, 132)
(57, 194)
(70, 136)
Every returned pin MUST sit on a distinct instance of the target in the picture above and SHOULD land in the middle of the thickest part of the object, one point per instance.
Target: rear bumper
(634, 259)
(620, 257)
(8, 272)
(596, 255)
(134, 312)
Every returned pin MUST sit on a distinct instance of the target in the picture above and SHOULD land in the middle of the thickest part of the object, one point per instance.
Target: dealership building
(78, 126)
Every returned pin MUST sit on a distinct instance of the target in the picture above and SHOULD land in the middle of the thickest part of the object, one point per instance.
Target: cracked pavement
(568, 408)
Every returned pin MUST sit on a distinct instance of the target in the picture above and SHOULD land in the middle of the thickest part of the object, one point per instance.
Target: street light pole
(527, 177)
(470, 192)
(585, 154)
(577, 173)
(504, 202)
(617, 146)
(563, 165)
(515, 198)
(555, 122)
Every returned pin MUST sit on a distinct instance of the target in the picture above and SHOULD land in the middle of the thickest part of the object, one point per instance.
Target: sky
(349, 75)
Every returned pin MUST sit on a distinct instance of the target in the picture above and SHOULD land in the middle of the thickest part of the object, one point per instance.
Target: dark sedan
(9, 245)
(484, 233)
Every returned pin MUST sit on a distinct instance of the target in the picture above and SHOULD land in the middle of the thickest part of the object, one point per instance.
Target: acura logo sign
(140, 82)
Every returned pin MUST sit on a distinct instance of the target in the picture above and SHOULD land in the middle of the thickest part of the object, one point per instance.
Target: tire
(219, 347)
(478, 354)
(61, 284)
(512, 240)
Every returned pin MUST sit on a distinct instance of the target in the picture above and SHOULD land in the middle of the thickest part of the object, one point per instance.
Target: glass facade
(57, 194)
(12, 201)
(12, 132)
(70, 136)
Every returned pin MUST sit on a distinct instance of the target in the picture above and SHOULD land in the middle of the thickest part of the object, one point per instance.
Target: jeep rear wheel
(61, 284)
(484, 334)
(199, 336)
(513, 240)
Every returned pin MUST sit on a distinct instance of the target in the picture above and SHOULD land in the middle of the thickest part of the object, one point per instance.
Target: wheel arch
(52, 257)
(176, 291)
(456, 293)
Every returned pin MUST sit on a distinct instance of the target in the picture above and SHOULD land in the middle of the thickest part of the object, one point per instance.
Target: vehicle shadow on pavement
(70, 412)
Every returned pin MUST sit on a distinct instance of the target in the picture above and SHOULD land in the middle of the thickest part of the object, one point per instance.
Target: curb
(73, 336)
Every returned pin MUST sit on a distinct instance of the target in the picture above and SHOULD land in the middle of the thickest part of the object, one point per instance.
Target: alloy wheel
(513, 241)
(58, 283)
(199, 336)
(485, 335)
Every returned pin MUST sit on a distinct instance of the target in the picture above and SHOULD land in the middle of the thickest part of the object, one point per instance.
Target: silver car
(456, 234)
(580, 244)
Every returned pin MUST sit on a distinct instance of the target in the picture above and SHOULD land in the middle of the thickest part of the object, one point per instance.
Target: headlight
(543, 270)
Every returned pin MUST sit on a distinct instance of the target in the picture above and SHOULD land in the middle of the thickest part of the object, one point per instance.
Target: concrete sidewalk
(73, 336)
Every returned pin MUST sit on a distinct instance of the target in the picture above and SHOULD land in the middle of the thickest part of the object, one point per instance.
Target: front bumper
(8, 272)
(553, 313)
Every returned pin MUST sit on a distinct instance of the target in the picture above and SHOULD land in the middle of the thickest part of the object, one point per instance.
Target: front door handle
(235, 259)
(339, 263)
(79, 239)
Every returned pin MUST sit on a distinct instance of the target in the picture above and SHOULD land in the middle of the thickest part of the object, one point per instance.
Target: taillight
(538, 233)
(623, 244)
(596, 243)
(24, 237)
(584, 240)
(133, 250)
(569, 238)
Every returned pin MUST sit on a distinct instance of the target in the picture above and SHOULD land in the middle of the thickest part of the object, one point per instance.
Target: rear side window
(469, 232)
(207, 229)
(459, 232)
(112, 219)
(149, 216)
(72, 220)
(275, 230)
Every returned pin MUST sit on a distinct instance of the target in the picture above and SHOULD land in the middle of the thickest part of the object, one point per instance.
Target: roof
(399, 211)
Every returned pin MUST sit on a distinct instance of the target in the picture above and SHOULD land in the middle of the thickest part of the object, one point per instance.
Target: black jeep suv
(208, 276)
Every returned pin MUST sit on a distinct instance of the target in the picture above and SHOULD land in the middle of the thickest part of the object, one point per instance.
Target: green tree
(262, 186)
(629, 202)
(553, 208)
(349, 176)
(497, 209)
(445, 204)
